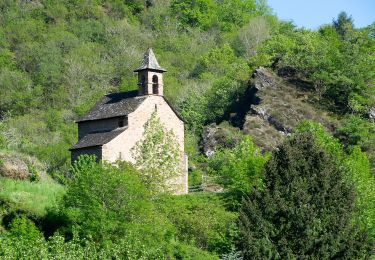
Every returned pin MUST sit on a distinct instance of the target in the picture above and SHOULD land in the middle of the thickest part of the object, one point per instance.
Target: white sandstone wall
(120, 147)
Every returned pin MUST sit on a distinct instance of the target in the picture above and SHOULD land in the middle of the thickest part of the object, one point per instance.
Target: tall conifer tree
(305, 209)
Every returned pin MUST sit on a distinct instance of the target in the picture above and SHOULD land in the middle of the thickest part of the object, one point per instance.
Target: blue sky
(313, 13)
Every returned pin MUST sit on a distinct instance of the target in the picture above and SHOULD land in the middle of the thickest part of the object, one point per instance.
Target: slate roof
(97, 139)
(114, 105)
(149, 62)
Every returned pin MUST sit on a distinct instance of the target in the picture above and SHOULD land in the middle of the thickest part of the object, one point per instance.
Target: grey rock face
(277, 105)
(263, 114)
(262, 79)
(371, 114)
(215, 137)
(16, 166)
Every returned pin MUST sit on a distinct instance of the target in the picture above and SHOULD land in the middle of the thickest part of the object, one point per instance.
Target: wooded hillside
(58, 57)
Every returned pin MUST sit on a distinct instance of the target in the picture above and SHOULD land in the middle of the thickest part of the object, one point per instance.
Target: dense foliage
(105, 201)
(357, 171)
(239, 169)
(108, 211)
(57, 57)
(347, 83)
(305, 209)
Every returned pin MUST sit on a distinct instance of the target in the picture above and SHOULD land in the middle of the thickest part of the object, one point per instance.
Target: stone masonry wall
(120, 147)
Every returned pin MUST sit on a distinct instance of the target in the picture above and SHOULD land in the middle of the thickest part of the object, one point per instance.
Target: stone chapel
(115, 124)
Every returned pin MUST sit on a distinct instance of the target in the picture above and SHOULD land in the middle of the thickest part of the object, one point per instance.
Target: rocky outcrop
(14, 168)
(219, 136)
(281, 104)
(18, 166)
(371, 114)
(263, 114)
(261, 78)
(270, 109)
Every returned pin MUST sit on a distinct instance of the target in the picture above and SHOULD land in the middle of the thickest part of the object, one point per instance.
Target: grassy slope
(33, 197)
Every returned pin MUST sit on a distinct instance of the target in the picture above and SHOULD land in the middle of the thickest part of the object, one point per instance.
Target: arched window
(143, 85)
(155, 85)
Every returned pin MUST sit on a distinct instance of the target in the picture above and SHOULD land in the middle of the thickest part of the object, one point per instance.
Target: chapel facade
(116, 123)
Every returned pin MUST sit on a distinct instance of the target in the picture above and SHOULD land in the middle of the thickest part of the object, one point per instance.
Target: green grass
(32, 197)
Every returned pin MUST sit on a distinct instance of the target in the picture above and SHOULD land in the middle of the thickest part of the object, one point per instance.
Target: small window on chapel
(155, 85)
(123, 121)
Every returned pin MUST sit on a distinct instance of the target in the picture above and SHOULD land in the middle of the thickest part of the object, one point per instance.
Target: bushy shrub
(108, 202)
(223, 93)
(201, 221)
(183, 251)
(357, 131)
(23, 228)
(18, 247)
(239, 170)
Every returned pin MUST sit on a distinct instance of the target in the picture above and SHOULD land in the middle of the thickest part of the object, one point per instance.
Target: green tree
(108, 202)
(157, 156)
(305, 209)
(220, 60)
(239, 169)
(223, 93)
(371, 30)
(253, 34)
(202, 221)
(18, 93)
(234, 13)
(359, 172)
(357, 131)
(354, 162)
(193, 110)
(343, 24)
(195, 13)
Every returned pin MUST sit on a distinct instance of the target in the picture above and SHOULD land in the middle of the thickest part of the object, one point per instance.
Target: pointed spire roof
(149, 62)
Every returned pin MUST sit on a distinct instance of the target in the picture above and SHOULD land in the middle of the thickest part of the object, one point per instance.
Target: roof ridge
(113, 105)
(96, 139)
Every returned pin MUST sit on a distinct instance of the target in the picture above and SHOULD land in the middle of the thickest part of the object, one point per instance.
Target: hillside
(244, 81)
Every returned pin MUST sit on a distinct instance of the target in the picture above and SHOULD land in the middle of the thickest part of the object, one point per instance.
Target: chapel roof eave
(113, 105)
(150, 69)
(97, 139)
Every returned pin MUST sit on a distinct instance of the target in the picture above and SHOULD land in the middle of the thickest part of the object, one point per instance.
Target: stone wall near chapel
(120, 147)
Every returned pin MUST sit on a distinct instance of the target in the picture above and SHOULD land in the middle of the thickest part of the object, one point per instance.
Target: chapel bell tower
(150, 75)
